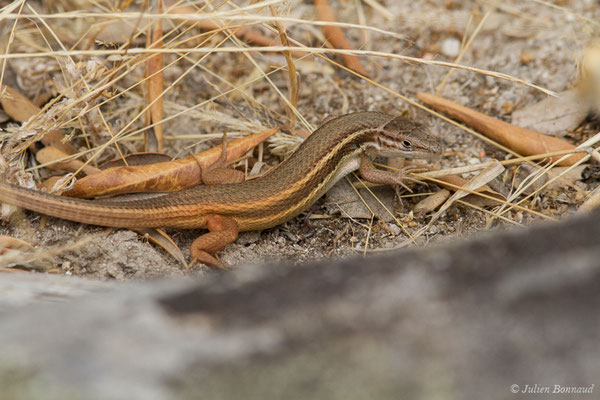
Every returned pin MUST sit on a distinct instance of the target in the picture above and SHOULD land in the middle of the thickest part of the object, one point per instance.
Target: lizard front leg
(368, 171)
(223, 231)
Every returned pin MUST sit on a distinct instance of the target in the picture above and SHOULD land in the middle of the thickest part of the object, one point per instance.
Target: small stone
(508, 107)
(526, 57)
(394, 229)
(450, 47)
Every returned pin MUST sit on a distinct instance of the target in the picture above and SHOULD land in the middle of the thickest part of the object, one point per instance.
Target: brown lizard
(340, 146)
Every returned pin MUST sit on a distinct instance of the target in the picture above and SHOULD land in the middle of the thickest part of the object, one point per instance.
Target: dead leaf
(13, 250)
(162, 177)
(336, 37)
(9, 242)
(21, 109)
(16, 105)
(521, 140)
(56, 140)
(247, 34)
(160, 238)
(431, 202)
(49, 184)
(342, 197)
(50, 154)
(136, 159)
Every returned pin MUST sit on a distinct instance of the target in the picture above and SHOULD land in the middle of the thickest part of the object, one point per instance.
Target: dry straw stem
(508, 205)
(242, 32)
(276, 49)
(23, 259)
(67, 78)
(242, 46)
(287, 102)
(364, 185)
(50, 155)
(485, 196)
(467, 45)
(116, 137)
(488, 212)
(448, 178)
(482, 179)
(9, 9)
(154, 87)
(100, 88)
(292, 75)
(368, 235)
(585, 145)
(477, 167)
(208, 18)
(471, 187)
(567, 11)
(126, 135)
(380, 9)
(474, 184)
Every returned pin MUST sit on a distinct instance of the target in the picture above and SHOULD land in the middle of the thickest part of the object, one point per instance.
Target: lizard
(340, 146)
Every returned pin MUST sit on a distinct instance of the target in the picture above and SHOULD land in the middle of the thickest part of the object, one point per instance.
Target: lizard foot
(223, 231)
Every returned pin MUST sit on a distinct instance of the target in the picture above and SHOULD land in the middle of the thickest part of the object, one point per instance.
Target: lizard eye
(379, 144)
(406, 143)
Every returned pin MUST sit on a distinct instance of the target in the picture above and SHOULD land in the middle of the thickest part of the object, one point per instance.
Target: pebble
(450, 47)
(395, 229)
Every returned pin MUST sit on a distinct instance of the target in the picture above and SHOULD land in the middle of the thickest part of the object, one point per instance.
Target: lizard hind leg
(223, 231)
(219, 172)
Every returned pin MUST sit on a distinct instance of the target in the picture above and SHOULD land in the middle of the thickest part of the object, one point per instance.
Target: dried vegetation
(87, 82)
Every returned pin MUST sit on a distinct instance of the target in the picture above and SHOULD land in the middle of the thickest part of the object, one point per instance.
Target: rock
(503, 307)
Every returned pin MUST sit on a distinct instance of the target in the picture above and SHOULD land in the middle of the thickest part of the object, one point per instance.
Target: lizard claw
(405, 172)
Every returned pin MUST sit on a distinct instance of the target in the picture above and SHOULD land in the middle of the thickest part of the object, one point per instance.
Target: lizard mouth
(399, 152)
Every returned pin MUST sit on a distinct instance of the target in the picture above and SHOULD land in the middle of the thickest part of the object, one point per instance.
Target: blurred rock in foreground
(463, 321)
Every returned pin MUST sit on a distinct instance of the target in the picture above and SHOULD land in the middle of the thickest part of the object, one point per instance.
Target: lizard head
(403, 137)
